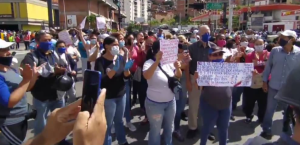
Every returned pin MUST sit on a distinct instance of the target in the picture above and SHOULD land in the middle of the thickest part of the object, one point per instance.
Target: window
(267, 13)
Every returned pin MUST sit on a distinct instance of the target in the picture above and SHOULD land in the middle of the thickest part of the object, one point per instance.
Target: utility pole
(118, 3)
(230, 15)
(224, 14)
(50, 15)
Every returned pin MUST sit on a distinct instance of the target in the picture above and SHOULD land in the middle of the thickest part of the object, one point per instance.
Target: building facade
(26, 15)
(77, 10)
(136, 10)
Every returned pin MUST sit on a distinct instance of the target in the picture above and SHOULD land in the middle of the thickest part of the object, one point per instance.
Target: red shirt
(18, 39)
(261, 60)
(139, 58)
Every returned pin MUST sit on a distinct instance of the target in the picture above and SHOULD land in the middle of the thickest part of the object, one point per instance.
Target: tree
(169, 21)
(134, 27)
(169, 3)
(155, 23)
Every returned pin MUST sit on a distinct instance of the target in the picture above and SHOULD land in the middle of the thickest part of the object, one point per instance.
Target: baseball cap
(289, 33)
(289, 93)
(4, 44)
(215, 50)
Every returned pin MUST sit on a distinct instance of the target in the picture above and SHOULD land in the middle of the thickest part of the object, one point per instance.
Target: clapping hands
(128, 65)
(116, 63)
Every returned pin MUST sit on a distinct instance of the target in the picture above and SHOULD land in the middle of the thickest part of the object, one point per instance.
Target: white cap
(4, 44)
(103, 36)
(289, 33)
(195, 31)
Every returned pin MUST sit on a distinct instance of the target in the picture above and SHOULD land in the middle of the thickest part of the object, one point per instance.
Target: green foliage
(186, 21)
(235, 21)
(169, 3)
(155, 23)
(91, 19)
(133, 27)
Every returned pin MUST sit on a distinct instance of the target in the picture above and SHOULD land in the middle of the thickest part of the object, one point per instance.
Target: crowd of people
(131, 73)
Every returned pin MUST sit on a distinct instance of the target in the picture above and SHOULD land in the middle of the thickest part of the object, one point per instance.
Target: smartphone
(91, 90)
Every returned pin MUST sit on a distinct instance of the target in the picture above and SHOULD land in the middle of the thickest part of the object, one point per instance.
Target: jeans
(212, 117)
(127, 114)
(180, 103)
(43, 108)
(114, 112)
(83, 64)
(236, 96)
(288, 121)
(272, 104)
(160, 115)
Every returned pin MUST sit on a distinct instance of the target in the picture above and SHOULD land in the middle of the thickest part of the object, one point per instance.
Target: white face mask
(115, 50)
(244, 44)
(259, 48)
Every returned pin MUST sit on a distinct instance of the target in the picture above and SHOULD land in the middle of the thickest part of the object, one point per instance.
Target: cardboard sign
(224, 74)
(170, 51)
(64, 36)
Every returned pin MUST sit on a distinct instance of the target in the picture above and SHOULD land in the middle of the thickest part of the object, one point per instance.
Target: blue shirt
(82, 50)
(279, 65)
(9, 81)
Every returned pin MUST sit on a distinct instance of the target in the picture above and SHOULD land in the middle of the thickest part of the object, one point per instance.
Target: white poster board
(170, 51)
(64, 36)
(224, 74)
(71, 21)
(101, 23)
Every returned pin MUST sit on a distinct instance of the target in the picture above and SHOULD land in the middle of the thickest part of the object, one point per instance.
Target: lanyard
(45, 57)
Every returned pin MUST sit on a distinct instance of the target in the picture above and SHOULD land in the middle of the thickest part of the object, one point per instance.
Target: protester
(83, 53)
(160, 102)
(281, 61)
(200, 47)
(255, 93)
(193, 38)
(215, 112)
(114, 70)
(45, 96)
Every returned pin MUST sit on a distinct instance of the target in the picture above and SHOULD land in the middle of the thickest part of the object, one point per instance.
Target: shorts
(13, 134)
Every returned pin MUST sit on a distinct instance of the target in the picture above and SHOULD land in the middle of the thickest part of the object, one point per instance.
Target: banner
(224, 74)
(71, 21)
(170, 50)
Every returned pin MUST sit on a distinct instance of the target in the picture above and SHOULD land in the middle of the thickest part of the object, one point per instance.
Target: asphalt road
(239, 132)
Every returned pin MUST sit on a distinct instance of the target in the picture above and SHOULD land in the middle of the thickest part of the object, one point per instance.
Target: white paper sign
(101, 23)
(224, 74)
(82, 24)
(170, 51)
(64, 35)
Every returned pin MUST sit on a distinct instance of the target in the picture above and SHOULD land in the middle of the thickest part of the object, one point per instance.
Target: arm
(94, 56)
(149, 69)
(126, 73)
(178, 73)
(38, 140)
(11, 99)
(99, 67)
(268, 66)
(28, 59)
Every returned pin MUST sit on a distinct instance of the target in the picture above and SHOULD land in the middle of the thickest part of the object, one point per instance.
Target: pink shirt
(139, 58)
(261, 60)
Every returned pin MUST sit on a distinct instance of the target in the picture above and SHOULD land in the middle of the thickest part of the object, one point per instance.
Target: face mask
(218, 60)
(61, 50)
(193, 40)
(6, 61)
(221, 43)
(93, 41)
(134, 41)
(114, 50)
(205, 37)
(46, 46)
(283, 42)
(244, 44)
(121, 44)
(259, 48)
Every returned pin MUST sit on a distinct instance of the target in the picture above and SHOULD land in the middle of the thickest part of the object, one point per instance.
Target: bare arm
(149, 73)
(94, 56)
(18, 93)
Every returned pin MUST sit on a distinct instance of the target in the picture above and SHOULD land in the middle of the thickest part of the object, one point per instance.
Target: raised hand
(128, 65)
(116, 64)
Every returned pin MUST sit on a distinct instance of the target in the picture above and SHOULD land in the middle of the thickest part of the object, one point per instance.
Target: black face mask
(7, 61)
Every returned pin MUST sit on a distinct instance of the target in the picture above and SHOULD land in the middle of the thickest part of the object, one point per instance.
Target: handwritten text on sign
(224, 74)
(170, 51)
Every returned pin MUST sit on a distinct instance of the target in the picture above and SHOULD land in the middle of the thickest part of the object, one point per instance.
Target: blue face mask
(121, 44)
(46, 46)
(218, 60)
(6, 61)
(93, 41)
(193, 40)
(61, 50)
(205, 37)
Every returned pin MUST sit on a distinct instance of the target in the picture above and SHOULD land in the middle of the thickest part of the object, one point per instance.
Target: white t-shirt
(91, 52)
(158, 89)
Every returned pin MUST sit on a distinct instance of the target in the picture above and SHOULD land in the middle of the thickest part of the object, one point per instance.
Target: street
(239, 132)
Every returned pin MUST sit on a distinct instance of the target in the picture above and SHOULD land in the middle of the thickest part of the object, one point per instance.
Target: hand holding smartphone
(91, 90)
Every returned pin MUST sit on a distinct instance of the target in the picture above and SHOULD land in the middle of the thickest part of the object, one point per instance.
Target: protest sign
(170, 51)
(101, 23)
(224, 74)
(82, 24)
(64, 35)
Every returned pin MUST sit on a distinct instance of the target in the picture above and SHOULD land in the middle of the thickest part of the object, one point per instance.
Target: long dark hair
(127, 43)
(153, 50)
(107, 41)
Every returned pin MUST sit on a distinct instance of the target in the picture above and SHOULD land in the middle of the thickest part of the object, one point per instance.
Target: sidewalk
(21, 50)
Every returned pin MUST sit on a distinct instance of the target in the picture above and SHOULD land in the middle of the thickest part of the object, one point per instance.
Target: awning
(271, 7)
(288, 13)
